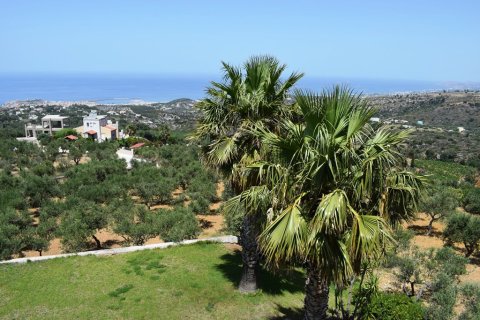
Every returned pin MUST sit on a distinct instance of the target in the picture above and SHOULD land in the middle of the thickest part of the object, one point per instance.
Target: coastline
(141, 102)
(128, 89)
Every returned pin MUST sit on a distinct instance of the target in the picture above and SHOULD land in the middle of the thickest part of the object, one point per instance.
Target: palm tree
(248, 96)
(334, 187)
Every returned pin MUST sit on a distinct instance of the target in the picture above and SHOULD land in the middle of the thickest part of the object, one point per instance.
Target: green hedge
(393, 306)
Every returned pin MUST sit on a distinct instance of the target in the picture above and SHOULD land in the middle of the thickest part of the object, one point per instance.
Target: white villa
(98, 127)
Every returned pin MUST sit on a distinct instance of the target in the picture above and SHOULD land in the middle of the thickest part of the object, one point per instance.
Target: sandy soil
(64, 157)
(212, 225)
(420, 226)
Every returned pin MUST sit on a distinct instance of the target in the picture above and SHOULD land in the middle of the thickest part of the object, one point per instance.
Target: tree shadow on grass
(288, 313)
(290, 280)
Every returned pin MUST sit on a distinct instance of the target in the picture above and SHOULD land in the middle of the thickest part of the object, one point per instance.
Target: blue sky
(416, 40)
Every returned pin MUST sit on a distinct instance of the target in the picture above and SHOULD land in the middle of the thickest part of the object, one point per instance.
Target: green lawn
(186, 282)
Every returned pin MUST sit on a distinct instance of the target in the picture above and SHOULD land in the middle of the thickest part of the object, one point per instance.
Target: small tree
(471, 201)
(39, 237)
(81, 220)
(438, 203)
(444, 287)
(39, 189)
(421, 269)
(415, 268)
(13, 232)
(155, 191)
(178, 224)
(463, 228)
(443, 298)
(76, 153)
(135, 224)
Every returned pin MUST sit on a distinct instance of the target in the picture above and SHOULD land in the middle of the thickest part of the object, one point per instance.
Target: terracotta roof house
(99, 128)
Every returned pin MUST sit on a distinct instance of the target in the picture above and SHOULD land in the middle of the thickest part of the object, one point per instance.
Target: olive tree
(463, 228)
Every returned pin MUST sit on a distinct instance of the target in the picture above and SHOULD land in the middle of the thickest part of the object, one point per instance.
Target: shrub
(471, 200)
(393, 306)
(443, 298)
(135, 224)
(60, 134)
(178, 224)
(464, 228)
(200, 205)
(13, 229)
(471, 302)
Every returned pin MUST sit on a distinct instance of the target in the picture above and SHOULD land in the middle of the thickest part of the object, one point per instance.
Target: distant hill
(449, 127)
(434, 117)
(447, 110)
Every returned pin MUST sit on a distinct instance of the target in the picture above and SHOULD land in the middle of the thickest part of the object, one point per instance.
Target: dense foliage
(73, 190)
(394, 306)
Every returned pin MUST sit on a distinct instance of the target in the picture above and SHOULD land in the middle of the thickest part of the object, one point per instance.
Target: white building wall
(91, 124)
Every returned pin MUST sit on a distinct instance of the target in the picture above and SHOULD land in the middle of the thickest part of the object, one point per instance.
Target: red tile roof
(109, 127)
(71, 137)
(137, 145)
(92, 132)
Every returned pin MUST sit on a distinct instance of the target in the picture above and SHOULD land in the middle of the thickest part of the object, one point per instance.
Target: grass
(186, 282)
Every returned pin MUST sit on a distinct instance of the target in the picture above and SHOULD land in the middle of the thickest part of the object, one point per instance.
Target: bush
(13, 229)
(463, 228)
(471, 302)
(200, 205)
(471, 200)
(80, 221)
(177, 225)
(134, 223)
(443, 298)
(60, 134)
(393, 306)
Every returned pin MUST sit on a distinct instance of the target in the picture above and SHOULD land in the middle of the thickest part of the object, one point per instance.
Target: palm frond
(284, 238)
(222, 151)
(331, 215)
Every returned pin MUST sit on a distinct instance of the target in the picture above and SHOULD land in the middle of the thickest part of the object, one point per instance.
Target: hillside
(446, 110)
(438, 137)
(443, 115)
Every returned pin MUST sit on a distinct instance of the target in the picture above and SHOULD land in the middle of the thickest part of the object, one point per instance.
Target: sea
(125, 88)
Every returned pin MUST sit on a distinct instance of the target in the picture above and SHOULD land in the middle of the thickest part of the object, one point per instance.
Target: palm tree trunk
(316, 296)
(250, 255)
